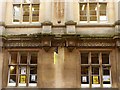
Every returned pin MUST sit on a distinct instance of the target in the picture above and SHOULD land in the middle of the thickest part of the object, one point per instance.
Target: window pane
(84, 58)
(33, 58)
(102, 6)
(95, 75)
(83, 12)
(22, 79)
(33, 70)
(13, 58)
(26, 13)
(95, 70)
(92, 0)
(35, 13)
(16, 13)
(33, 79)
(23, 58)
(106, 70)
(83, 0)
(93, 18)
(12, 79)
(105, 58)
(85, 79)
(84, 75)
(83, 7)
(93, 6)
(33, 74)
(83, 18)
(12, 69)
(22, 70)
(16, 1)
(106, 79)
(106, 75)
(27, 1)
(93, 11)
(35, 1)
(95, 58)
(102, 13)
(95, 80)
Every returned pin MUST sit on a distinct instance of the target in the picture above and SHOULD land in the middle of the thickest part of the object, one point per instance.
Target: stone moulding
(17, 88)
(46, 42)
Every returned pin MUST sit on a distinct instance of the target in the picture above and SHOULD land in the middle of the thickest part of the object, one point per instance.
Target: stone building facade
(63, 44)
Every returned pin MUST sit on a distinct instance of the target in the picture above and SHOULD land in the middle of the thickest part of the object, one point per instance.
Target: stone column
(2, 28)
(47, 24)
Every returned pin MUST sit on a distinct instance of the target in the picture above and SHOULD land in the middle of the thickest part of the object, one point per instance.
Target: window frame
(100, 65)
(21, 3)
(18, 65)
(98, 2)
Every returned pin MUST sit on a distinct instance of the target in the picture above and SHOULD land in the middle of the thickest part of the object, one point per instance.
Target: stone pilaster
(69, 10)
(48, 10)
(2, 28)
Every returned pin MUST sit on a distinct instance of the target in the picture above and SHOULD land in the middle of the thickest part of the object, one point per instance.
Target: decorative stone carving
(22, 44)
(96, 44)
(68, 41)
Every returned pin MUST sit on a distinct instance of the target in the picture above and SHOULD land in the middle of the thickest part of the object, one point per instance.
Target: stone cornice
(48, 41)
(48, 23)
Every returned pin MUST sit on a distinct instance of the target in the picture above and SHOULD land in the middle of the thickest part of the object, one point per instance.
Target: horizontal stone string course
(51, 44)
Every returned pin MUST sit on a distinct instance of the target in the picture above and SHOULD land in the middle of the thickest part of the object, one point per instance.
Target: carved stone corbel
(46, 48)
